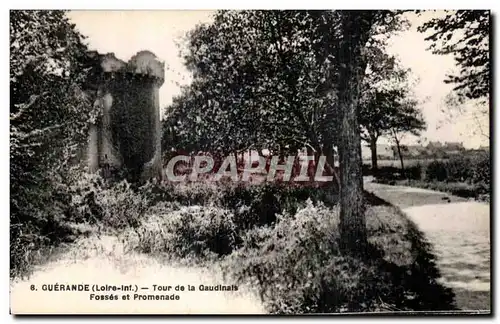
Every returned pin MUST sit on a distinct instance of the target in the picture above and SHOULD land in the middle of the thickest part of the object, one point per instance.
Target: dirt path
(459, 231)
(106, 261)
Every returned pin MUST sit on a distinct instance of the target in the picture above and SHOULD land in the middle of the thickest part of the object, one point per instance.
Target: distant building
(453, 147)
(433, 145)
(438, 149)
(411, 151)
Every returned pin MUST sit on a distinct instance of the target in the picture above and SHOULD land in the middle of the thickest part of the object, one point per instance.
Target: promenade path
(458, 229)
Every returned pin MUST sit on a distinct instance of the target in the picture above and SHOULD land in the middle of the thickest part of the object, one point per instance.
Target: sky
(126, 32)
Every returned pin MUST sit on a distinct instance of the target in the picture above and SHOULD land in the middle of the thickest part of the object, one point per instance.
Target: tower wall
(127, 134)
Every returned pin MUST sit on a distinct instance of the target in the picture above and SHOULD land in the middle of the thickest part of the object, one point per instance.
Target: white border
(191, 4)
(257, 4)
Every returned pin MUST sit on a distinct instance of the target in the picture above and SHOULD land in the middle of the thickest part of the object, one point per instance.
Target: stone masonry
(126, 135)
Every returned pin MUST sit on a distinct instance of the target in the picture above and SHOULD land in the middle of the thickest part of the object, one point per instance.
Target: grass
(465, 262)
(459, 189)
(473, 300)
(467, 176)
(408, 197)
(33, 249)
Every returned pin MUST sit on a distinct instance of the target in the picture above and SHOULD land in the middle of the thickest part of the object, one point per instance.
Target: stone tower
(126, 134)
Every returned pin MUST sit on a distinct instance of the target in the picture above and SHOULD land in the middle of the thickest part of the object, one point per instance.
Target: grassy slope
(408, 197)
(460, 189)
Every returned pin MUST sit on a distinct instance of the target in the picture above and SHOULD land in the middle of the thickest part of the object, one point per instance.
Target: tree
(49, 114)
(478, 114)
(361, 32)
(265, 78)
(406, 120)
(294, 78)
(385, 104)
(355, 27)
(465, 35)
(374, 113)
(257, 83)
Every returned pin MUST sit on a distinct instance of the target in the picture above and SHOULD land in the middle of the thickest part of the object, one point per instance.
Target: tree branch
(24, 107)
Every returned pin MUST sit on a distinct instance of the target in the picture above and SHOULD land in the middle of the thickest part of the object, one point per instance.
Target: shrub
(436, 170)
(259, 205)
(38, 220)
(194, 230)
(481, 169)
(187, 193)
(459, 168)
(471, 169)
(460, 189)
(389, 173)
(465, 176)
(271, 257)
(253, 205)
(25, 241)
(367, 169)
(414, 172)
(49, 115)
(114, 205)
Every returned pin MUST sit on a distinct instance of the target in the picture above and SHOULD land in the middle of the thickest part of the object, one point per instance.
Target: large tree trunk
(356, 27)
(330, 160)
(373, 149)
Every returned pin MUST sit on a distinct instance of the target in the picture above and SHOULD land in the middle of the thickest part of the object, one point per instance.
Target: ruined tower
(126, 134)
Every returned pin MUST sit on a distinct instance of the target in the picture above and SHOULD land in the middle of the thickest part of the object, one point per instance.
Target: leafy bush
(394, 173)
(465, 176)
(481, 172)
(389, 173)
(459, 168)
(436, 170)
(49, 116)
(269, 258)
(251, 205)
(232, 210)
(113, 205)
(470, 169)
(473, 168)
(367, 169)
(414, 172)
(460, 189)
(194, 230)
(187, 193)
